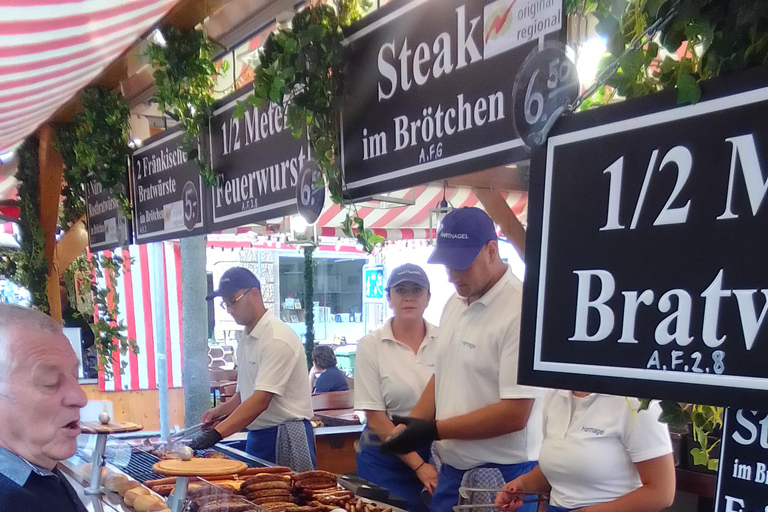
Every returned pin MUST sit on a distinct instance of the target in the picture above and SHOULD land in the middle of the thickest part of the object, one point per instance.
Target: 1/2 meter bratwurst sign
(429, 88)
(647, 249)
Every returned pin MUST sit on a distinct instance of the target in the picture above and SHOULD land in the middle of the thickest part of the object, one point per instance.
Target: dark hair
(323, 357)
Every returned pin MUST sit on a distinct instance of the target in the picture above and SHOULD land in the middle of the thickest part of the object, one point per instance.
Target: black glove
(417, 433)
(205, 439)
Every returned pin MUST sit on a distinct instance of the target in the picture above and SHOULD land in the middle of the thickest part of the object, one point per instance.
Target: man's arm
(503, 417)
(245, 413)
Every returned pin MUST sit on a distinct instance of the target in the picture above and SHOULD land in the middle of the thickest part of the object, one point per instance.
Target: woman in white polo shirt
(392, 366)
(599, 454)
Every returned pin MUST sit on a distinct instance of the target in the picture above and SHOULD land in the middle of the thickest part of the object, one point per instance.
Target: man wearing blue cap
(483, 420)
(273, 399)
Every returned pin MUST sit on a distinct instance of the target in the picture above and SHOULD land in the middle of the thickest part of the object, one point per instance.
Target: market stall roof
(50, 49)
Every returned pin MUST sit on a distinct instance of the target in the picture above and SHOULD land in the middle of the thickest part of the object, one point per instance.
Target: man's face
(408, 300)
(41, 402)
(239, 305)
(471, 282)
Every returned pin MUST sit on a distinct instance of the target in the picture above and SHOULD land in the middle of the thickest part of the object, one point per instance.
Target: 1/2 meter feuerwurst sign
(647, 248)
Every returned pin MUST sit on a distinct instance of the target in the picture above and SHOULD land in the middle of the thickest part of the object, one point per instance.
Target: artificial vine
(31, 263)
(301, 70)
(185, 77)
(95, 146)
(716, 38)
(109, 331)
(309, 302)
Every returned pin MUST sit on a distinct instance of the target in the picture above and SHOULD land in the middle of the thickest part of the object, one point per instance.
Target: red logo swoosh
(498, 22)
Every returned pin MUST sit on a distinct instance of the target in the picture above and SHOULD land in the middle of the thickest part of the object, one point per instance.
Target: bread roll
(130, 496)
(158, 506)
(124, 487)
(113, 481)
(142, 503)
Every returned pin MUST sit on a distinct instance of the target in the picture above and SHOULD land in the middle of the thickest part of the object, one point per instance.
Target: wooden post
(51, 169)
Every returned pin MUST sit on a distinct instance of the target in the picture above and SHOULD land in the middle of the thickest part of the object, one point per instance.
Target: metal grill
(140, 465)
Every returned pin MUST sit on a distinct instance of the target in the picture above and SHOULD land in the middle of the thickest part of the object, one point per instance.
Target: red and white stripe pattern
(135, 310)
(50, 49)
(412, 222)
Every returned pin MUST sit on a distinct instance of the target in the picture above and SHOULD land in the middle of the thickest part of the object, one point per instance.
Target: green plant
(8, 266)
(96, 145)
(31, 264)
(109, 332)
(716, 37)
(77, 277)
(185, 77)
(301, 69)
(704, 420)
(73, 191)
(309, 304)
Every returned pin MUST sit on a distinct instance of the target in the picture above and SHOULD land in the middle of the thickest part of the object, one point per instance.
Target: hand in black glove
(205, 439)
(417, 433)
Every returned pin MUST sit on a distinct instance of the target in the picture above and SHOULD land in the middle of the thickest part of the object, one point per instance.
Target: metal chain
(636, 43)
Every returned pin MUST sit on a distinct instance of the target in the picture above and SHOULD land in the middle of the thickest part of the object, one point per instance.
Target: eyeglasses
(226, 304)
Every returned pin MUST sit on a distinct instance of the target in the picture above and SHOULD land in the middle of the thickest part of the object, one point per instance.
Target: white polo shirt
(388, 375)
(476, 366)
(591, 445)
(271, 358)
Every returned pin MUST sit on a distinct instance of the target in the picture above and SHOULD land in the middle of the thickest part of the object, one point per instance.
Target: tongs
(185, 433)
(367, 438)
(464, 492)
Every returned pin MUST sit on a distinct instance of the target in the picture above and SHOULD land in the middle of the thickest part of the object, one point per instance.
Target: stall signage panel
(107, 225)
(167, 190)
(647, 246)
(374, 283)
(429, 89)
(259, 160)
(742, 480)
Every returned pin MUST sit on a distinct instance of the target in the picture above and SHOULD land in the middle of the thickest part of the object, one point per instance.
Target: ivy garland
(717, 38)
(95, 145)
(309, 302)
(185, 77)
(301, 70)
(109, 331)
(31, 263)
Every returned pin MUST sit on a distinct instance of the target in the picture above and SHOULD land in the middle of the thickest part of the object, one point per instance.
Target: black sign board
(742, 480)
(646, 249)
(107, 225)
(259, 159)
(167, 190)
(429, 89)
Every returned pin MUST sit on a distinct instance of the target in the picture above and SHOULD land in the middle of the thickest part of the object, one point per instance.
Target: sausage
(314, 474)
(271, 469)
(265, 478)
(257, 486)
(160, 481)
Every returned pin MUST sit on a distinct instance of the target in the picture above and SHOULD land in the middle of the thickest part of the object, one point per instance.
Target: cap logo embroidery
(455, 236)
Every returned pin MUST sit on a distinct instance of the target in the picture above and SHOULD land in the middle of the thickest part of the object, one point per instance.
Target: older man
(273, 399)
(473, 404)
(40, 402)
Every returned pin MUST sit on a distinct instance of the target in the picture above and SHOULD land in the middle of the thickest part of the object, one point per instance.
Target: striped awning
(50, 49)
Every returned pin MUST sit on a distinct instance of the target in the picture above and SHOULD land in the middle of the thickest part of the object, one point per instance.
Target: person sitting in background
(40, 402)
(598, 455)
(71, 317)
(328, 376)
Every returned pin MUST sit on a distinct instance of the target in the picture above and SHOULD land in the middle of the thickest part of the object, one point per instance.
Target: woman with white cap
(393, 364)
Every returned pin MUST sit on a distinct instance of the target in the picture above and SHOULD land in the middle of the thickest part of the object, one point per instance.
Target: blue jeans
(262, 443)
(449, 480)
(392, 473)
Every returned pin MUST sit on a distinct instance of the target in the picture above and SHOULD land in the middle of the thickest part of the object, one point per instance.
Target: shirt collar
(493, 293)
(387, 334)
(18, 469)
(258, 330)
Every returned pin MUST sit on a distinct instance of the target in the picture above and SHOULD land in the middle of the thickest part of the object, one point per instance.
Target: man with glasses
(272, 400)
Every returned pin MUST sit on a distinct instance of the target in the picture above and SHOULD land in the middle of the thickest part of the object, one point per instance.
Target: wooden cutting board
(199, 467)
(113, 427)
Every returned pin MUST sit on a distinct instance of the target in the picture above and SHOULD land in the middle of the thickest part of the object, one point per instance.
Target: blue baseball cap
(233, 279)
(462, 234)
(408, 273)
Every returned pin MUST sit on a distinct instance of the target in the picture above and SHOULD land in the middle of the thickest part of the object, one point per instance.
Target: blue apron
(449, 480)
(262, 443)
(552, 508)
(393, 474)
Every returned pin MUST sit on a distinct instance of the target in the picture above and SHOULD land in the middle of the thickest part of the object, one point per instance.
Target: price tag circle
(190, 203)
(309, 197)
(546, 81)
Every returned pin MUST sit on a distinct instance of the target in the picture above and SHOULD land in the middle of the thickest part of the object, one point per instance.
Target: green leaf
(239, 111)
(712, 464)
(700, 457)
(688, 90)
